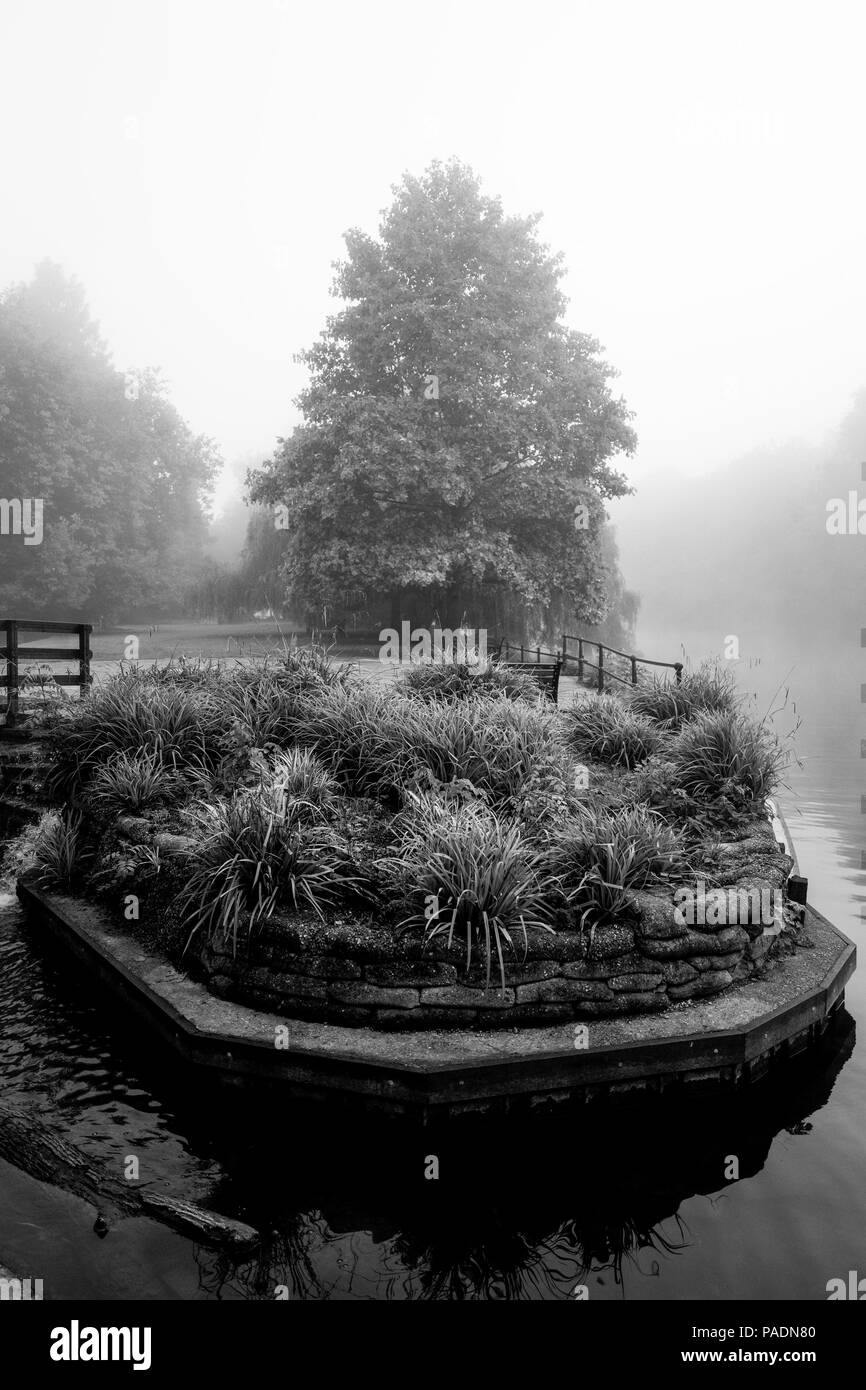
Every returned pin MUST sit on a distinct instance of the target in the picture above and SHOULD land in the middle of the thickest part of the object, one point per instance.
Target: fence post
(11, 672)
(564, 649)
(634, 670)
(521, 651)
(580, 658)
(84, 630)
(537, 656)
(678, 667)
(600, 667)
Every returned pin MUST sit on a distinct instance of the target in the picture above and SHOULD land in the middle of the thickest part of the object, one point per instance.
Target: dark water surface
(633, 1203)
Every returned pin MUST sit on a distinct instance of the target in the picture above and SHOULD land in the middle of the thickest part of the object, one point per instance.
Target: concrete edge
(728, 1055)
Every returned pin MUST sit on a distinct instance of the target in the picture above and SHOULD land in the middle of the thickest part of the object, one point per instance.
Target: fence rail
(583, 660)
(15, 655)
(521, 652)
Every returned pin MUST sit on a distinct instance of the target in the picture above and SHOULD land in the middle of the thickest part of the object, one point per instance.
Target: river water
(631, 1203)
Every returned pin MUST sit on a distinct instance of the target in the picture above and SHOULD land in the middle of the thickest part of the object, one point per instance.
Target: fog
(750, 550)
(196, 164)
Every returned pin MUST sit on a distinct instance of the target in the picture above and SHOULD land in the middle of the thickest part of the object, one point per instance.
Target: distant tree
(453, 424)
(123, 480)
(618, 626)
(227, 535)
(229, 592)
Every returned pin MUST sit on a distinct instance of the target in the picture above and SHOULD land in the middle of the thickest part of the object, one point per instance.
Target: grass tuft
(710, 688)
(606, 730)
(460, 680)
(474, 879)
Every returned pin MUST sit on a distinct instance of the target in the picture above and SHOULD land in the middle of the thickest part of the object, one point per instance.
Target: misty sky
(196, 164)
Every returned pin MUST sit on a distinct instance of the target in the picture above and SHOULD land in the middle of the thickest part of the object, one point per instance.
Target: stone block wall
(644, 963)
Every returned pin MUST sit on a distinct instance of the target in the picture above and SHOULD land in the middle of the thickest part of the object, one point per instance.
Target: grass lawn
(217, 641)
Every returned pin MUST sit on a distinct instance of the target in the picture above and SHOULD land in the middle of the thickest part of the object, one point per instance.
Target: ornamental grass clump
(182, 728)
(604, 729)
(302, 778)
(265, 706)
(459, 680)
(132, 782)
(269, 698)
(474, 880)
(363, 734)
(501, 746)
(670, 706)
(378, 742)
(258, 852)
(725, 754)
(600, 857)
(311, 668)
(183, 672)
(61, 851)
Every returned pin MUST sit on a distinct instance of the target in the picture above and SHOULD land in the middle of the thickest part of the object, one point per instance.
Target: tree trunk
(454, 605)
(30, 1146)
(396, 614)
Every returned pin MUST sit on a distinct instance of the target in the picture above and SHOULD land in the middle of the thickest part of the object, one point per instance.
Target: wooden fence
(18, 658)
(583, 661)
(522, 653)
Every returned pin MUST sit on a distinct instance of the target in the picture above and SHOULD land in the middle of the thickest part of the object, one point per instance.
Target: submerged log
(30, 1146)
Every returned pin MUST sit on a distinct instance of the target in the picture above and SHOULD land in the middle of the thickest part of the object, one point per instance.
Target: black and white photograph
(432, 669)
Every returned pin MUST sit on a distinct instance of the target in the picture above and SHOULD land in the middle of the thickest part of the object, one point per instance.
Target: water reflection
(525, 1208)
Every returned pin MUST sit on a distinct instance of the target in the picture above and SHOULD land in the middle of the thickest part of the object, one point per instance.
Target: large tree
(123, 481)
(453, 424)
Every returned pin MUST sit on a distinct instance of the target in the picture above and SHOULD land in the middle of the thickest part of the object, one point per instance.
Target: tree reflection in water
(528, 1206)
(314, 1263)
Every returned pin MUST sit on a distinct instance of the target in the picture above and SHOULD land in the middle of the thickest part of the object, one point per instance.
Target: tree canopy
(457, 435)
(123, 480)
